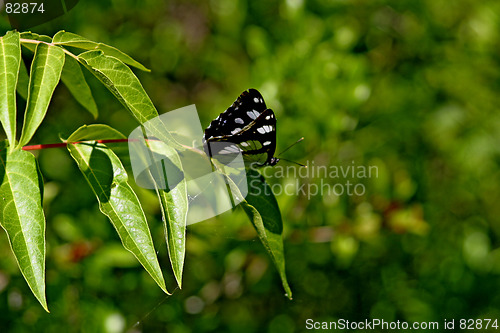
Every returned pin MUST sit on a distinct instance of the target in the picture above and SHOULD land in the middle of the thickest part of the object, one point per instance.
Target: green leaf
(10, 58)
(108, 179)
(28, 38)
(122, 82)
(22, 216)
(45, 73)
(95, 132)
(127, 88)
(74, 40)
(166, 173)
(23, 81)
(35, 36)
(262, 208)
(174, 208)
(73, 79)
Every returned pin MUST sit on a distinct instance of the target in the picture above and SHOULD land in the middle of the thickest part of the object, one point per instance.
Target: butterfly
(247, 126)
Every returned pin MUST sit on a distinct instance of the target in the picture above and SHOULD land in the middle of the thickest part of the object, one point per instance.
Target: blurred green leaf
(10, 58)
(22, 216)
(73, 79)
(108, 180)
(45, 74)
(70, 39)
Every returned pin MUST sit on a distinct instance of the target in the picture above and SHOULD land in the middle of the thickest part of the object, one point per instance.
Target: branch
(64, 144)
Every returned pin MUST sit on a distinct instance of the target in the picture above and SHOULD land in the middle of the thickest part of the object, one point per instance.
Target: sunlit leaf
(22, 216)
(74, 40)
(122, 82)
(10, 57)
(45, 74)
(127, 88)
(174, 208)
(108, 179)
(28, 38)
(167, 177)
(35, 36)
(95, 132)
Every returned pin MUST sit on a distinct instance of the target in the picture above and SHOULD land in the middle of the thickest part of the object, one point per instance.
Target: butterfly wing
(247, 107)
(248, 127)
(258, 139)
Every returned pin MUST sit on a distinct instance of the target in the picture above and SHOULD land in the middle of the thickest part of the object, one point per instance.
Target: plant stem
(64, 144)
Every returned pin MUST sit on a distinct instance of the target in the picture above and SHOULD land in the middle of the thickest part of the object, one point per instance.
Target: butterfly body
(247, 126)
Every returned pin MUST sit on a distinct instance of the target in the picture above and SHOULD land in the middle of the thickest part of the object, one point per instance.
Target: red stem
(63, 144)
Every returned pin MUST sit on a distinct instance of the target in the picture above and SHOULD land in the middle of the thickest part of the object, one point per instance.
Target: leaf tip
(178, 279)
(43, 303)
(164, 288)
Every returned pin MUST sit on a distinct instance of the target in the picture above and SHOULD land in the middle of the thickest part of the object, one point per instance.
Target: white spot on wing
(244, 144)
(265, 129)
(256, 100)
(238, 121)
(252, 114)
(236, 130)
(267, 143)
(230, 150)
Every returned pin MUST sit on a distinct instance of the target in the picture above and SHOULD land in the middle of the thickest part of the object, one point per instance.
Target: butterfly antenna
(290, 146)
(299, 164)
(293, 144)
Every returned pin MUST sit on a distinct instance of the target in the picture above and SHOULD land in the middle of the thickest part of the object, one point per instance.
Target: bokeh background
(411, 87)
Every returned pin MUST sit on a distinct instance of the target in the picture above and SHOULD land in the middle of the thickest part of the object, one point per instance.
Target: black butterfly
(247, 126)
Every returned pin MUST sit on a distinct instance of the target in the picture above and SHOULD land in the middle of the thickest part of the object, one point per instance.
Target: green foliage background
(408, 86)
